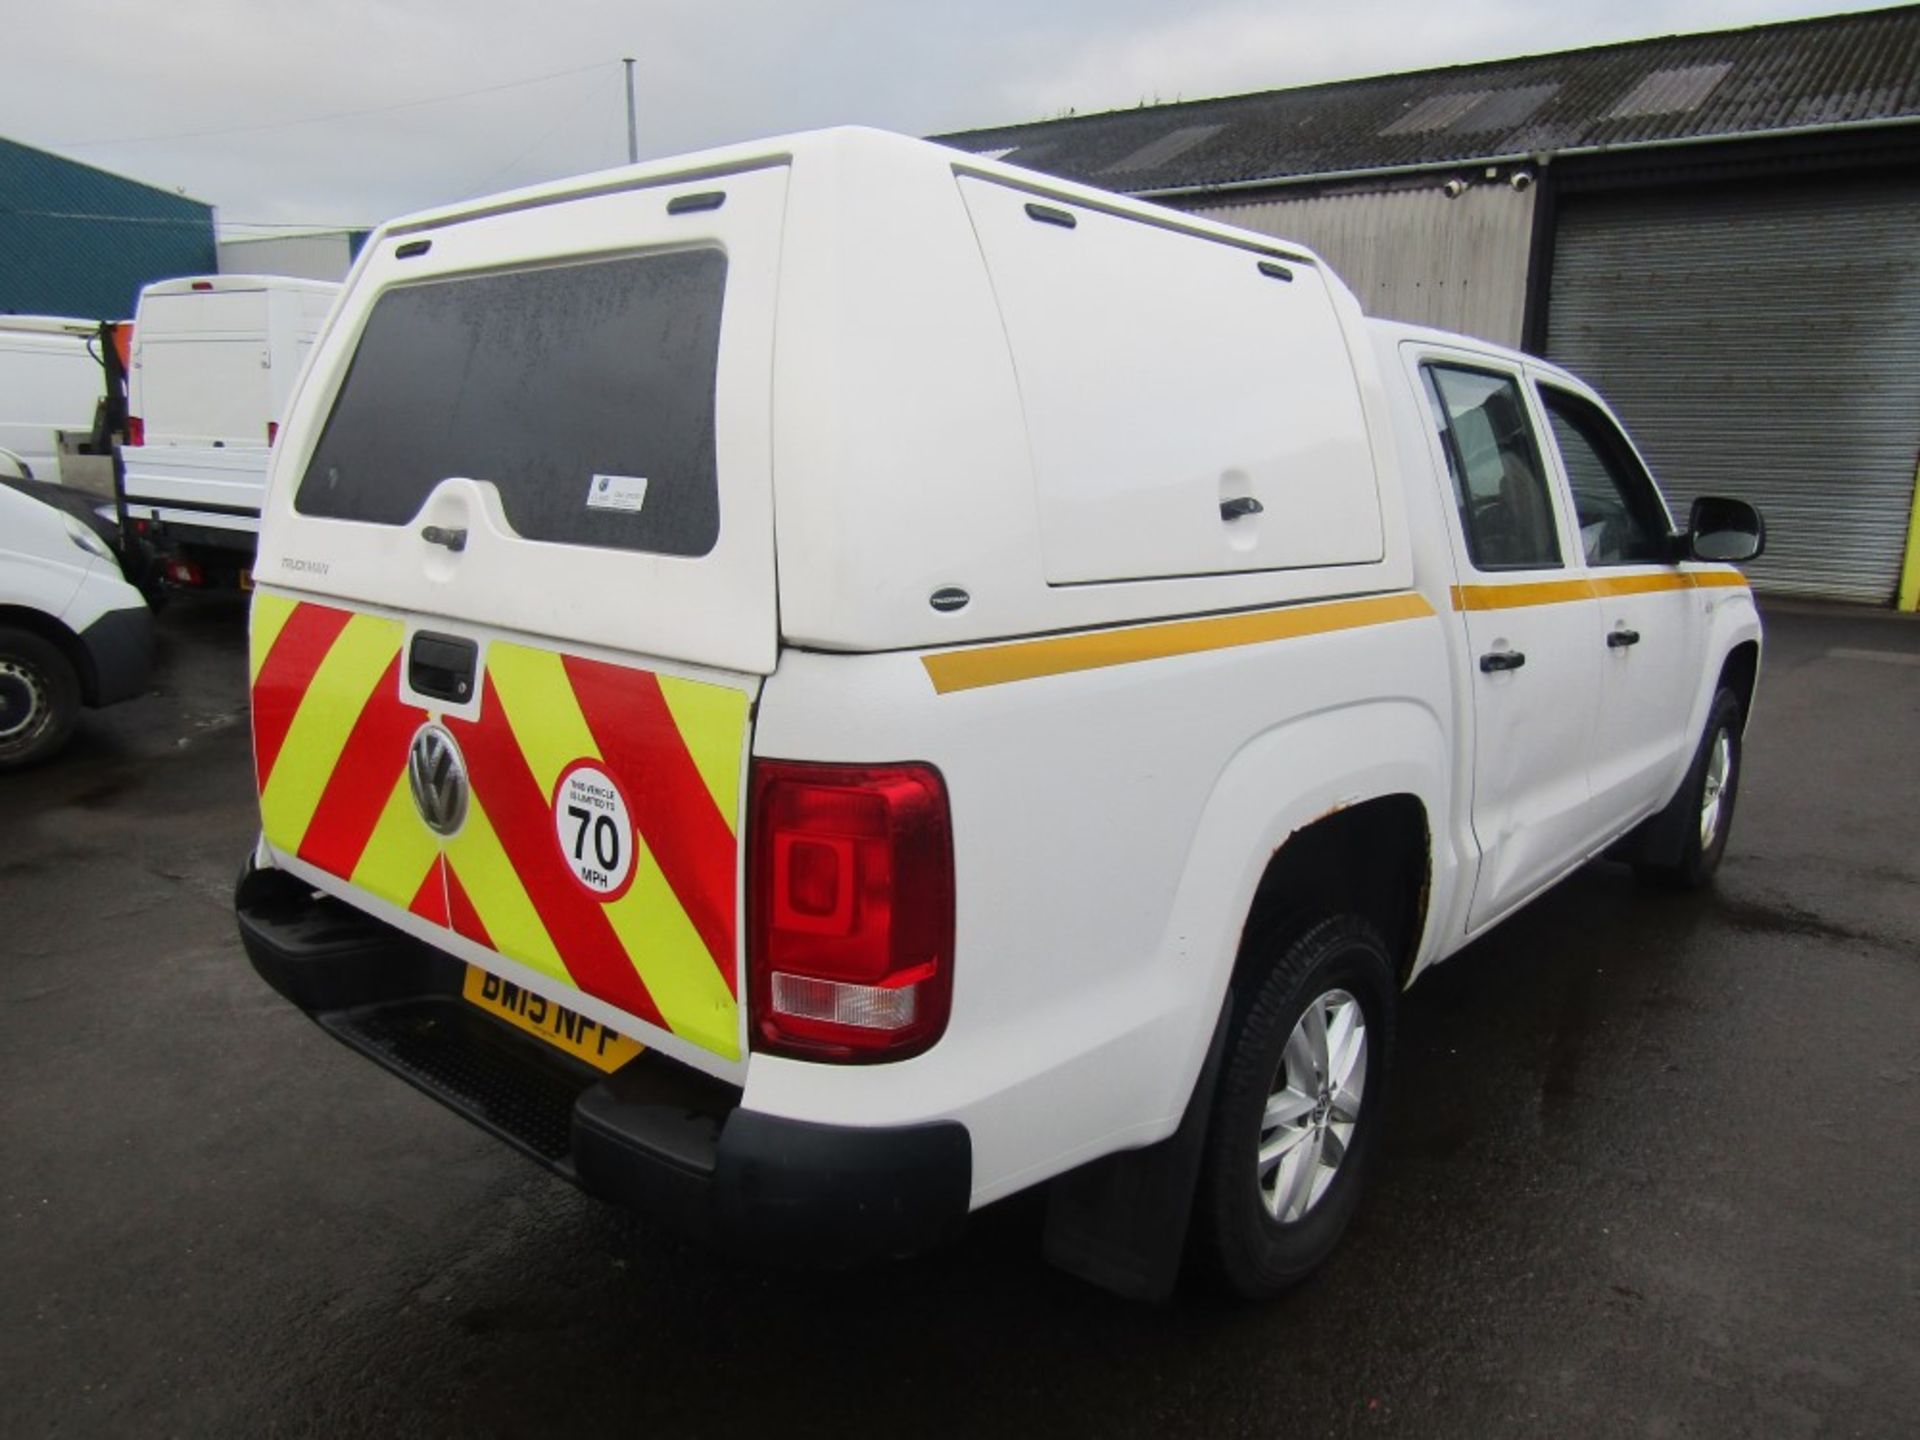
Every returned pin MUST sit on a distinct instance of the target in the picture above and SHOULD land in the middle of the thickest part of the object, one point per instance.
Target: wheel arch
(38, 622)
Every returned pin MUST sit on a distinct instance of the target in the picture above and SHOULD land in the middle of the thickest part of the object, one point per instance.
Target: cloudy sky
(336, 112)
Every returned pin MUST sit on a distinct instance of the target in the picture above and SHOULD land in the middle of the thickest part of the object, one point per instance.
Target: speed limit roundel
(595, 829)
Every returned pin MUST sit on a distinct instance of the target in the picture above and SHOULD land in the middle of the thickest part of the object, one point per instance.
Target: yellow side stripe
(267, 619)
(1559, 592)
(651, 923)
(1031, 659)
(335, 697)
(499, 899)
(399, 853)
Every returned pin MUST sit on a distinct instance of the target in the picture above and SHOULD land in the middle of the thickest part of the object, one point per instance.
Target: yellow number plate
(580, 1037)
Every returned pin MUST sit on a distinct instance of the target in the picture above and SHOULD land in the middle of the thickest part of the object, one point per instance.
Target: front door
(1527, 622)
(1648, 618)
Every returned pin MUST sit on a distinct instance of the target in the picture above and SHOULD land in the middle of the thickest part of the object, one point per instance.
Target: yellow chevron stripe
(480, 862)
(711, 719)
(652, 925)
(267, 619)
(399, 852)
(335, 697)
(541, 711)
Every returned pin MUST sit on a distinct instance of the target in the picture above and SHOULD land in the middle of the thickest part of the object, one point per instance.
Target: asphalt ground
(1653, 1165)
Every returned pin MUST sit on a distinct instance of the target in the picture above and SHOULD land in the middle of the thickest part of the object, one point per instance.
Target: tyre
(39, 698)
(1301, 1097)
(1703, 809)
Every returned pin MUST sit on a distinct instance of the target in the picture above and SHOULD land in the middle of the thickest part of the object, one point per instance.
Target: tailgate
(517, 580)
(572, 828)
(221, 485)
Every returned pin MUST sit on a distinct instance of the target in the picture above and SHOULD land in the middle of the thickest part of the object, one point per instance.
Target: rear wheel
(39, 698)
(1301, 1097)
(1705, 801)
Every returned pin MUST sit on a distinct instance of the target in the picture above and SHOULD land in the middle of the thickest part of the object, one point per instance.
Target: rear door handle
(455, 540)
(1502, 660)
(1618, 638)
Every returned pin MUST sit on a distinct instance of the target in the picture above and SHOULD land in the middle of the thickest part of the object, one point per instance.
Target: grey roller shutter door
(1761, 342)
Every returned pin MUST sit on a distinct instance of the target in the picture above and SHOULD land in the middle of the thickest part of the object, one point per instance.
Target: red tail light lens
(273, 431)
(850, 910)
(136, 430)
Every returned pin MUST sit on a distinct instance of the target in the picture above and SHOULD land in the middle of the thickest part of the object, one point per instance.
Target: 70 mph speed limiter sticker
(595, 829)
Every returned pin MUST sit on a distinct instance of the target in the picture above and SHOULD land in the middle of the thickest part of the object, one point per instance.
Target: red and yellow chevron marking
(330, 739)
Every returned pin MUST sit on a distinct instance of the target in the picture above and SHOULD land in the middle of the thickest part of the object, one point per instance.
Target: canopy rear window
(584, 393)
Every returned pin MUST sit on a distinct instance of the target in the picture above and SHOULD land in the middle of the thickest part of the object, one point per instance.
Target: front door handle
(1617, 638)
(1502, 660)
(455, 540)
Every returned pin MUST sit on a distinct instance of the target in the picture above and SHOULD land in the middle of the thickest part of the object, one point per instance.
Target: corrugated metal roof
(1835, 70)
(79, 241)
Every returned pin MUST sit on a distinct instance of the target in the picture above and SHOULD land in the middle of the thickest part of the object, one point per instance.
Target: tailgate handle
(442, 666)
(454, 540)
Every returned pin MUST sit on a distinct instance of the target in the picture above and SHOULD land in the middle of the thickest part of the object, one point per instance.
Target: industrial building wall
(1414, 254)
(1762, 341)
(325, 256)
(79, 241)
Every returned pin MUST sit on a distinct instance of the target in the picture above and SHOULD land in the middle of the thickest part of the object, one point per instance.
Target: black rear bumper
(655, 1136)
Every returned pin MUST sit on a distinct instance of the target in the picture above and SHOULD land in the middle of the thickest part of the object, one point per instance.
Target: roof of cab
(876, 147)
(1398, 332)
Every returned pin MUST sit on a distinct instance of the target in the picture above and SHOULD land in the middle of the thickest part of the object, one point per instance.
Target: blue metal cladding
(79, 241)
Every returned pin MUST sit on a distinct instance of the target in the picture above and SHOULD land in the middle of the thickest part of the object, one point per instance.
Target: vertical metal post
(633, 125)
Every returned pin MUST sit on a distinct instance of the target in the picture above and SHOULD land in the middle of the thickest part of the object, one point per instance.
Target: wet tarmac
(1653, 1169)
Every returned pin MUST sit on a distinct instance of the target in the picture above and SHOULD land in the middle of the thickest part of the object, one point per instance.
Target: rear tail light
(203, 284)
(850, 910)
(185, 572)
(136, 430)
(273, 431)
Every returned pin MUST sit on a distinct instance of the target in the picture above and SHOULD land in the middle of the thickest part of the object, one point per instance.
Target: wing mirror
(1726, 531)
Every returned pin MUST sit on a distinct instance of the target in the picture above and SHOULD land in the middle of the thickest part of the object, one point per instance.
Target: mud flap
(1121, 1222)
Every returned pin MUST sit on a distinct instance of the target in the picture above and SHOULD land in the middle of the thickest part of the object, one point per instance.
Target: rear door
(202, 368)
(1528, 623)
(520, 597)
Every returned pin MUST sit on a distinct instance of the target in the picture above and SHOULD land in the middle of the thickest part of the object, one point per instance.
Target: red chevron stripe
(303, 642)
(672, 807)
(375, 756)
(430, 901)
(592, 952)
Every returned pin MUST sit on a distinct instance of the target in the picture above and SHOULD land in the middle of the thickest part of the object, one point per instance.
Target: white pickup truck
(818, 685)
(214, 362)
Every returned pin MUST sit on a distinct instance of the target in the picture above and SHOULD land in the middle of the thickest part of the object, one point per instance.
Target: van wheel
(39, 698)
(1302, 1095)
(1705, 802)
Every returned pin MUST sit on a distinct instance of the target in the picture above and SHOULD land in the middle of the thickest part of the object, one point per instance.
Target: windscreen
(583, 393)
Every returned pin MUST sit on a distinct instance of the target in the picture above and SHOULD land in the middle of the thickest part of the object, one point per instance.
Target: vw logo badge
(437, 776)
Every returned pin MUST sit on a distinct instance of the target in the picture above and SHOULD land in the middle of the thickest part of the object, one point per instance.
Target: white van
(51, 385)
(816, 686)
(73, 632)
(214, 362)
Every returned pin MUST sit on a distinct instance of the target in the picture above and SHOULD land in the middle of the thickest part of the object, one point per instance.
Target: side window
(1506, 510)
(1622, 519)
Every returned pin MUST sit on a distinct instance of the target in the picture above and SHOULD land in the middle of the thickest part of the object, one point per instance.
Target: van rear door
(521, 540)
